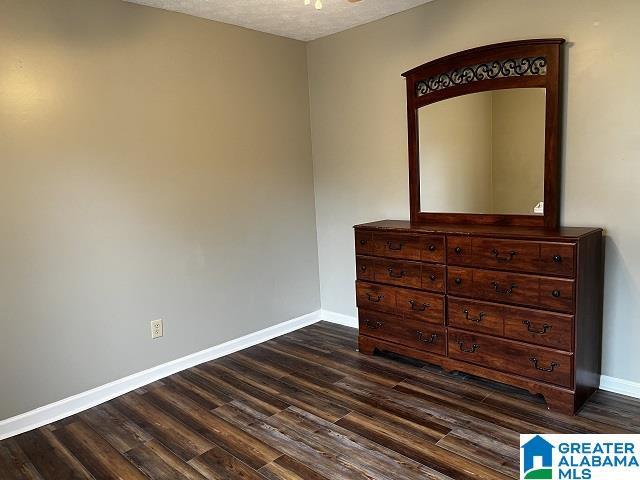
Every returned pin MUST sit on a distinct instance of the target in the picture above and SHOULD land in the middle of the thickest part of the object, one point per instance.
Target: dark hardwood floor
(305, 406)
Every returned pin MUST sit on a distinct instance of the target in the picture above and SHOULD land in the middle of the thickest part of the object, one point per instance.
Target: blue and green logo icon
(537, 459)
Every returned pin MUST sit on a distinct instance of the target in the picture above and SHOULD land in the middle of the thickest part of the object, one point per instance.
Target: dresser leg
(561, 402)
(366, 345)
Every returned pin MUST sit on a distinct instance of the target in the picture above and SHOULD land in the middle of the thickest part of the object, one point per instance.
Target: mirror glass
(483, 153)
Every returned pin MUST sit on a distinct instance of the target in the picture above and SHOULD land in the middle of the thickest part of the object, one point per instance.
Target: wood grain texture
(306, 406)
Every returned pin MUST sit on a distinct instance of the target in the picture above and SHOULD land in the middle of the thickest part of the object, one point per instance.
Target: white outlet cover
(156, 329)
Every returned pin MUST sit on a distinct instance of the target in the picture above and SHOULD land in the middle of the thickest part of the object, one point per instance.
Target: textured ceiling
(288, 18)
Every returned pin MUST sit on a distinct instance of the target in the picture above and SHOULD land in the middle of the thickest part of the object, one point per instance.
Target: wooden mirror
(483, 130)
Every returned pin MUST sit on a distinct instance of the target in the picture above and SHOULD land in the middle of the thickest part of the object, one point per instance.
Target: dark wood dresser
(519, 305)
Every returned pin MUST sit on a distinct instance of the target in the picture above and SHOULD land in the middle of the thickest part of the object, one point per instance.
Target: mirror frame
(521, 64)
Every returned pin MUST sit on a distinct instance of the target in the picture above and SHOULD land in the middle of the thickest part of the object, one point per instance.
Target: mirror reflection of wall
(483, 152)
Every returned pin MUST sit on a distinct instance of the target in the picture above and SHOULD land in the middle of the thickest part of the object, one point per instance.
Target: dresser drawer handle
(503, 291)
(363, 268)
(505, 259)
(556, 293)
(433, 277)
(458, 250)
(472, 350)
(363, 242)
(545, 328)
(477, 319)
(551, 368)
(432, 248)
(394, 245)
(393, 274)
(376, 300)
(418, 307)
(431, 339)
(373, 325)
(457, 280)
(557, 259)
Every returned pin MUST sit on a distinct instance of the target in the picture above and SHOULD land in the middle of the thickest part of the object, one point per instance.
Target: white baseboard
(339, 318)
(619, 385)
(82, 401)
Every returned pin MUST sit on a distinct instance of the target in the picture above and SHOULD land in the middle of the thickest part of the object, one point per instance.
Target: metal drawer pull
(473, 348)
(394, 245)
(503, 291)
(556, 293)
(395, 275)
(363, 268)
(433, 277)
(506, 259)
(363, 242)
(545, 328)
(458, 250)
(553, 365)
(432, 248)
(431, 339)
(418, 307)
(373, 325)
(457, 280)
(377, 299)
(477, 319)
(557, 258)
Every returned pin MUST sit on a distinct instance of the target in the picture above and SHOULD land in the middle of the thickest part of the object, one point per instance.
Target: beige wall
(359, 133)
(518, 149)
(153, 165)
(455, 138)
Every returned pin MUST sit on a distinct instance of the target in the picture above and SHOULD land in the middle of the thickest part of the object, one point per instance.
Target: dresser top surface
(562, 233)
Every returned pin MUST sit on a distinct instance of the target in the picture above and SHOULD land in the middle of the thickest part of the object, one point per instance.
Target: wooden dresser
(519, 305)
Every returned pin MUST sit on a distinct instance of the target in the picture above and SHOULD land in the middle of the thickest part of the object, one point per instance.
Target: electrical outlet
(156, 328)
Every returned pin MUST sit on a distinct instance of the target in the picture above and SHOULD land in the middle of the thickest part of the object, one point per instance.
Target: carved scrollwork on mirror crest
(511, 67)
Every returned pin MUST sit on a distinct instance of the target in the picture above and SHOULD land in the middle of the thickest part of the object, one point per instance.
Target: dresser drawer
(514, 288)
(553, 330)
(398, 272)
(397, 246)
(512, 357)
(419, 335)
(375, 297)
(512, 255)
(420, 305)
(364, 268)
(459, 250)
(426, 248)
(364, 242)
(433, 277)
(477, 316)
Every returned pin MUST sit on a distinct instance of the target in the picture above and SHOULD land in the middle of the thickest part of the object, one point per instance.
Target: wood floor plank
(203, 397)
(451, 464)
(306, 406)
(96, 455)
(115, 428)
(299, 447)
(218, 464)
(371, 458)
(345, 365)
(492, 454)
(237, 388)
(182, 441)
(287, 468)
(228, 436)
(292, 394)
(14, 463)
(158, 463)
(47, 458)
